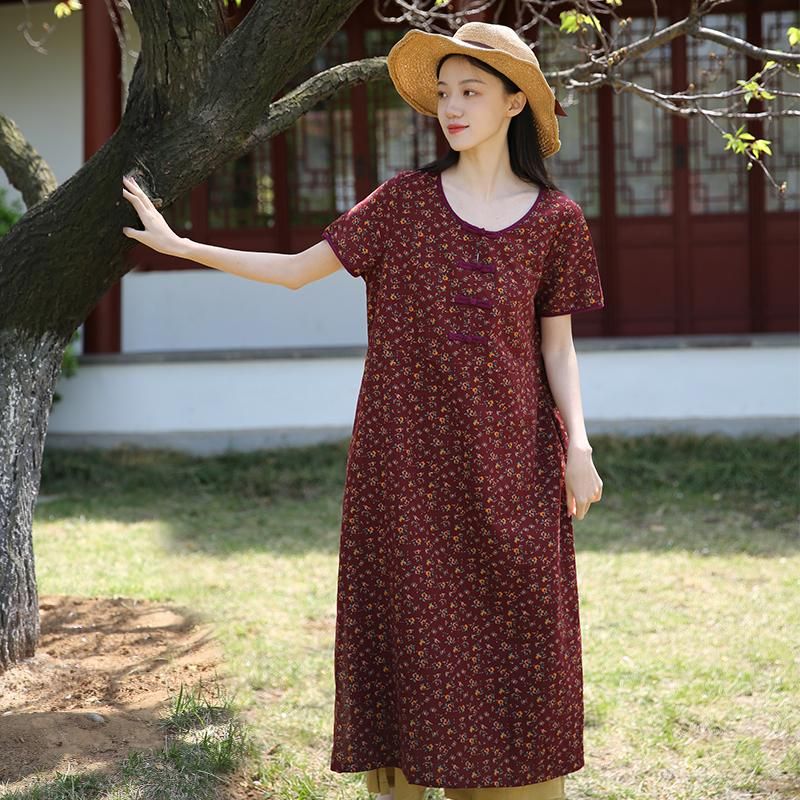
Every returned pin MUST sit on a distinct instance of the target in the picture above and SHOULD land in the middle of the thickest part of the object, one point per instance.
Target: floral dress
(458, 644)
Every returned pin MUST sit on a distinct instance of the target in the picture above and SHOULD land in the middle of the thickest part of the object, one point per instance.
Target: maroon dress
(458, 643)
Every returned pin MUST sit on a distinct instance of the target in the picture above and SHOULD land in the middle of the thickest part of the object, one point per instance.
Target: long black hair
(524, 152)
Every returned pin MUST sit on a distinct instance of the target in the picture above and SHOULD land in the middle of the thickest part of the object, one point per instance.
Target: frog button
(469, 300)
(477, 266)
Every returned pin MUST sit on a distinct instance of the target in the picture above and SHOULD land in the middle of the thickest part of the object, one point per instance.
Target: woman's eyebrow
(466, 80)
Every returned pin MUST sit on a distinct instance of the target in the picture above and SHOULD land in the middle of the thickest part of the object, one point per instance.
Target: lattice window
(320, 147)
(575, 166)
(400, 137)
(718, 177)
(241, 193)
(784, 132)
(642, 132)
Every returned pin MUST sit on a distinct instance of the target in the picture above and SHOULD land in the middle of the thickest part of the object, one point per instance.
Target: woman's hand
(584, 486)
(156, 234)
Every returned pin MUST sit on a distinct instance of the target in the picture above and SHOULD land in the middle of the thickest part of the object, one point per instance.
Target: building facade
(698, 255)
(689, 240)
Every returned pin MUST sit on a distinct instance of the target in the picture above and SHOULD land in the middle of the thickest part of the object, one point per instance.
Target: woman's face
(475, 100)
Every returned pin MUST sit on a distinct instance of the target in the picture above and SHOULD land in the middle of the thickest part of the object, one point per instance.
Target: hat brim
(412, 64)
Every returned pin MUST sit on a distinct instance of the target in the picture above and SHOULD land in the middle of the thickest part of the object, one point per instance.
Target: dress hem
(576, 310)
(392, 780)
(444, 784)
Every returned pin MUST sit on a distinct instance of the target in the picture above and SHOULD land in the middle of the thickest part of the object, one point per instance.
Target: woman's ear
(518, 100)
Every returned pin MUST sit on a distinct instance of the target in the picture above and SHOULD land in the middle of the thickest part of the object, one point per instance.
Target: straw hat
(412, 68)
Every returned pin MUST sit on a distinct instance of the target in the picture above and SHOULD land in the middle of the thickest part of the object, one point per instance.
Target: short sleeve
(358, 237)
(570, 280)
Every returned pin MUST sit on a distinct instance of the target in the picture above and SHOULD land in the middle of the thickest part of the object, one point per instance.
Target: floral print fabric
(458, 644)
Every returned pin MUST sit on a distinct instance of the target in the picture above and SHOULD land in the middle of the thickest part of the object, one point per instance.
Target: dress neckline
(476, 228)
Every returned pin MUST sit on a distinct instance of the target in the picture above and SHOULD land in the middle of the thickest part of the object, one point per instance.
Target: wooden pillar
(102, 111)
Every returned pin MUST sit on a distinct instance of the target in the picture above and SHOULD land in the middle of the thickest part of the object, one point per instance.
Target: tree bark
(30, 369)
(198, 98)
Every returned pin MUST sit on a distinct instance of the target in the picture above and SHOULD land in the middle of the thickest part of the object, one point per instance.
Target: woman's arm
(584, 485)
(292, 270)
(284, 269)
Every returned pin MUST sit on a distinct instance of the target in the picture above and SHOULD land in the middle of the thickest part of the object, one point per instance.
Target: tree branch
(27, 171)
(283, 113)
(747, 49)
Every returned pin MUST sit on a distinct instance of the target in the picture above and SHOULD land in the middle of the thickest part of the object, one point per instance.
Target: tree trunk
(30, 369)
(196, 100)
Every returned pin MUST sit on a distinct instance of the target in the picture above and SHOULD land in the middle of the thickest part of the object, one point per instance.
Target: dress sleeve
(358, 237)
(570, 280)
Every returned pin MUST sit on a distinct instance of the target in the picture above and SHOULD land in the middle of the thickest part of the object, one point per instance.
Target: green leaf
(738, 142)
(569, 22)
(763, 145)
(573, 21)
(65, 9)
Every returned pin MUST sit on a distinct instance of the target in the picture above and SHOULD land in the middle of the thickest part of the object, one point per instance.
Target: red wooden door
(689, 241)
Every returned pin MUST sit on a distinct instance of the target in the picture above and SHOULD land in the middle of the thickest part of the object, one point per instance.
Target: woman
(458, 646)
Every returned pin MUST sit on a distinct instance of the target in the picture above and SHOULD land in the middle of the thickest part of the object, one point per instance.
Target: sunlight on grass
(689, 573)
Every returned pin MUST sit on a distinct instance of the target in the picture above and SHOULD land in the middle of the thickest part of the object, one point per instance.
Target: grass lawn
(689, 572)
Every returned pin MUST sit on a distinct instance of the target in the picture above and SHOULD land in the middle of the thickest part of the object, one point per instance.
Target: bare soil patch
(102, 677)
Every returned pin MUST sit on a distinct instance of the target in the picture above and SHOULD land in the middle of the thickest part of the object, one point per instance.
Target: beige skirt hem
(383, 780)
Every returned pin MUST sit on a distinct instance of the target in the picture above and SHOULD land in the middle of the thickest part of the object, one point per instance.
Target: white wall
(197, 309)
(243, 403)
(208, 406)
(696, 383)
(43, 93)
